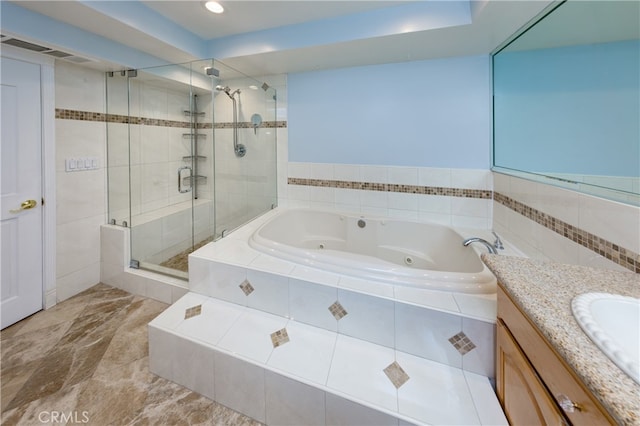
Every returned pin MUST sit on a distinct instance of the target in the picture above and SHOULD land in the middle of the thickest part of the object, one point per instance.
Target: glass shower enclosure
(191, 155)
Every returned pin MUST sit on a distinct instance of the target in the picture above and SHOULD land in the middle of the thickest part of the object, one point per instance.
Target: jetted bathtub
(424, 255)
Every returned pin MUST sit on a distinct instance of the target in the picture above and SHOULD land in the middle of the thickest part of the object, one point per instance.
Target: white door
(21, 191)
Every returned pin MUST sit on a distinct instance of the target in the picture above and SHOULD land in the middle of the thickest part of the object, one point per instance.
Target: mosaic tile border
(70, 114)
(623, 257)
(390, 187)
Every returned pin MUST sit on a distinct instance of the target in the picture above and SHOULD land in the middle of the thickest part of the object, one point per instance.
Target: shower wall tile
(113, 254)
(175, 228)
(80, 195)
(154, 101)
(118, 146)
(75, 138)
(78, 281)
(135, 144)
(177, 103)
(154, 144)
(78, 245)
(79, 88)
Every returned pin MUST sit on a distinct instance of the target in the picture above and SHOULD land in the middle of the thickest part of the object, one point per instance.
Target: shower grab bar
(180, 169)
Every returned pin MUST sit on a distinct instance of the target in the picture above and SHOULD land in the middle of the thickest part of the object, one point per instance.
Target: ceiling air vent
(25, 45)
(57, 54)
(41, 49)
(77, 59)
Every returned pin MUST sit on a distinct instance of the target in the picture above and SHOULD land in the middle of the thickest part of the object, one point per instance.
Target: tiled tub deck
(287, 344)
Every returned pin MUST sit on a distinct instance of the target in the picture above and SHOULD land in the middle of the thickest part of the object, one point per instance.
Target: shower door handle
(180, 190)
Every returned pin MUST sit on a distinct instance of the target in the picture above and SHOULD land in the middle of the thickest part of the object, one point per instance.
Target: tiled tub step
(453, 329)
(280, 371)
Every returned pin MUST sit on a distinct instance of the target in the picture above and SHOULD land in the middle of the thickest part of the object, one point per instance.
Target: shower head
(227, 90)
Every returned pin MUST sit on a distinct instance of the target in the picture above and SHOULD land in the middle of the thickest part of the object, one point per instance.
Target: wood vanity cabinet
(533, 383)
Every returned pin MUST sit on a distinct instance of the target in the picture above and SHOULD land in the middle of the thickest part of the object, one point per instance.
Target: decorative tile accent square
(246, 287)
(337, 311)
(192, 311)
(396, 374)
(462, 343)
(279, 338)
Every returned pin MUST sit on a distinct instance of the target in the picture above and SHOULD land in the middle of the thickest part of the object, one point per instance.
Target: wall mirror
(566, 99)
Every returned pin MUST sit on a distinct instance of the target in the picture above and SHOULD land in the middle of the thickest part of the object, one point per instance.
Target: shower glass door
(174, 170)
(245, 149)
(165, 149)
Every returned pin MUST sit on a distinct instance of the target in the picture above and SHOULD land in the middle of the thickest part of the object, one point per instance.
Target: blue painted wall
(433, 113)
(570, 110)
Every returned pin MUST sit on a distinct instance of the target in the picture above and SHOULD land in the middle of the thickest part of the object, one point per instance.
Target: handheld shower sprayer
(239, 149)
(227, 90)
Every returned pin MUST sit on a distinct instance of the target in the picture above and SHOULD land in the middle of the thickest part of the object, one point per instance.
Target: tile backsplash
(543, 221)
(458, 197)
(548, 222)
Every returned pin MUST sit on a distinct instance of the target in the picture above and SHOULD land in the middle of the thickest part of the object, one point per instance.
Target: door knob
(26, 205)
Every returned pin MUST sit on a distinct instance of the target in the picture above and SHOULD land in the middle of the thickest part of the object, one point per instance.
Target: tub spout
(486, 243)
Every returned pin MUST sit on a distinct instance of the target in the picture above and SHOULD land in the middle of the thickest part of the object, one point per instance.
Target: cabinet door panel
(523, 396)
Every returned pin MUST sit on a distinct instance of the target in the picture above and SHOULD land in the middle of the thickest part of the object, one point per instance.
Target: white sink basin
(613, 323)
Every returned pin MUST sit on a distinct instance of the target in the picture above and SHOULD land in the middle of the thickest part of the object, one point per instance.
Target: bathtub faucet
(486, 243)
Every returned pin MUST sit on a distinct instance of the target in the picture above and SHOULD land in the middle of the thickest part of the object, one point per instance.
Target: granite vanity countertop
(544, 290)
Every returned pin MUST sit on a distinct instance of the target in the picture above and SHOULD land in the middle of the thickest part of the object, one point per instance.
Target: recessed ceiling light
(214, 7)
